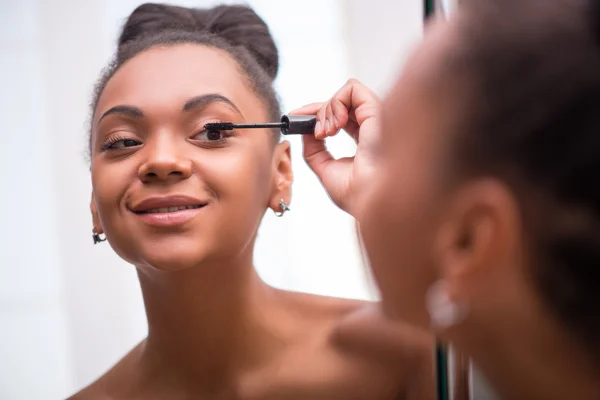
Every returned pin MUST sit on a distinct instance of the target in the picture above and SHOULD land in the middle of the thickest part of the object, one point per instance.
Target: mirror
(71, 310)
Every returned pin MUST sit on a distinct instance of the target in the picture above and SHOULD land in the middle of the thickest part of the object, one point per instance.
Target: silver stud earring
(97, 238)
(283, 208)
(443, 311)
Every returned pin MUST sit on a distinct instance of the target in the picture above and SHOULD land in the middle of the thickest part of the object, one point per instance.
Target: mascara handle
(298, 124)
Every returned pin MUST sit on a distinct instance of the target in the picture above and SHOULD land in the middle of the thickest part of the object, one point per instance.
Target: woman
(480, 209)
(184, 205)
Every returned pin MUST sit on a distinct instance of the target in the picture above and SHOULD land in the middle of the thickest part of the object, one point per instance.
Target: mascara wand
(289, 125)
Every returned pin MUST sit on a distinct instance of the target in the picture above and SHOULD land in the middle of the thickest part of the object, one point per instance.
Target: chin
(170, 252)
(173, 256)
(174, 260)
(171, 264)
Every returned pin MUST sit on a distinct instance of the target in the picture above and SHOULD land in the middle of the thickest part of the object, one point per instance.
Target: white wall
(70, 309)
(34, 336)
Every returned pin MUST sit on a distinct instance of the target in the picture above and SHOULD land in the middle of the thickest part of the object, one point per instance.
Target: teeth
(170, 209)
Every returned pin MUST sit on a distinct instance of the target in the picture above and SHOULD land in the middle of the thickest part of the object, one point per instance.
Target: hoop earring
(283, 208)
(443, 311)
(97, 238)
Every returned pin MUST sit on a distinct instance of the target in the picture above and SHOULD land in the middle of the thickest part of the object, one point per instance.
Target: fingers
(322, 125)
(329, 121)
(317, 109)
(339, 113)
(357, 97)
(316, 155)
(348, 109)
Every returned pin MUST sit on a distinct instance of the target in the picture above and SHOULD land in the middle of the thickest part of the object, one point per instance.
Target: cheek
(242, 182)
(398, 227)
(239, 176)
(109, 184)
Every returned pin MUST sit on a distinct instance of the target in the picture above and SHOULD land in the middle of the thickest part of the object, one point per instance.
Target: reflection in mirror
(76, 309)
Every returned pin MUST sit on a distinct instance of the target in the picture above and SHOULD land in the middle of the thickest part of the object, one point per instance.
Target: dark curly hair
(236, 29)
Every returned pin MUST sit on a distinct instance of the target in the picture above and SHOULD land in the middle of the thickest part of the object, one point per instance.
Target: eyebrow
(198, 102)
(129, 111)
(203, 101)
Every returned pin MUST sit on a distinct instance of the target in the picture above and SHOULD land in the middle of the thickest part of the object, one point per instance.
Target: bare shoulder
(322, 305)
(402, 354)
(356, 348)
(360, 326)
(110, 385)
(368, 329)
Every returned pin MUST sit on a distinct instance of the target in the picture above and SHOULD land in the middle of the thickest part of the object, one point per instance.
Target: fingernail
(317, 128)
(327, 126)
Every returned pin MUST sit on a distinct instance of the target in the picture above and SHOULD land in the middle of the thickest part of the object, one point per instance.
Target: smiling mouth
(163, 210)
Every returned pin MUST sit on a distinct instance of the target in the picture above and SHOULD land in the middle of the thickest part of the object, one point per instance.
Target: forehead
(166, 77)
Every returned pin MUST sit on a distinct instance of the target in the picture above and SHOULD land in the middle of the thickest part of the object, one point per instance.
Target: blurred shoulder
(403, 355)
(365, 351)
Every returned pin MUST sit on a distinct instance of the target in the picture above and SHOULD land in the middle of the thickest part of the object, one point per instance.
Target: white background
(68, 309)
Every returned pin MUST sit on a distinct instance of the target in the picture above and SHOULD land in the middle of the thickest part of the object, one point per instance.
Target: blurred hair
(532, 118)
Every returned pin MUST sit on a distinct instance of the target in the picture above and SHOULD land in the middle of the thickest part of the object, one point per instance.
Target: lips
(167, 204)
(168, 211)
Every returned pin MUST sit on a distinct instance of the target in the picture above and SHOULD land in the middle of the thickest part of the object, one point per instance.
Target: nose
(164, 162)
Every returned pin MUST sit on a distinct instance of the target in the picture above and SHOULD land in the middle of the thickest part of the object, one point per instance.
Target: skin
(215, 329)
(421, 223)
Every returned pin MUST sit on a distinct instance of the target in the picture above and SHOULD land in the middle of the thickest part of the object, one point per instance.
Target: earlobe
(282, 177)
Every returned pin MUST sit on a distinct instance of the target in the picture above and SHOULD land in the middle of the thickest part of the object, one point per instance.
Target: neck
(536, 364)
(210, 323)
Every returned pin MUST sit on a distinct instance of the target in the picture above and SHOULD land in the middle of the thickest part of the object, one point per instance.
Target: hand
(354, 108)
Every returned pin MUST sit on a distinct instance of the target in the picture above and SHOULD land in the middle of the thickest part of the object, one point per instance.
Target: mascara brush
(289, 125)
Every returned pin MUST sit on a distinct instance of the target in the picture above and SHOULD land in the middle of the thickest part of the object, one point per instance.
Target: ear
(479, 239)
(282, 176)
(97, 226)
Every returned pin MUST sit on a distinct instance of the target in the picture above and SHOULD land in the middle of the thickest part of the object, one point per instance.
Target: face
(167, 193)
(402, 208)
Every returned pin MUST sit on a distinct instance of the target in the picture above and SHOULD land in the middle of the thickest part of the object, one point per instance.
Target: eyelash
(225, 135)
(111, 141)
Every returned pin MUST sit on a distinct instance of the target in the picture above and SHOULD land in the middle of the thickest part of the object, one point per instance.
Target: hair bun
(237, 24)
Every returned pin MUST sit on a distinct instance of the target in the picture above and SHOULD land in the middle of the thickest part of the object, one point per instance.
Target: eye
(210, 136)
(120, 143)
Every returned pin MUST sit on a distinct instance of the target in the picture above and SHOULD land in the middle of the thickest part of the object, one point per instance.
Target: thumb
(316, 155)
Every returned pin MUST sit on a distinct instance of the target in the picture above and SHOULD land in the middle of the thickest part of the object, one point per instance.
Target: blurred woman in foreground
(478, 195)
